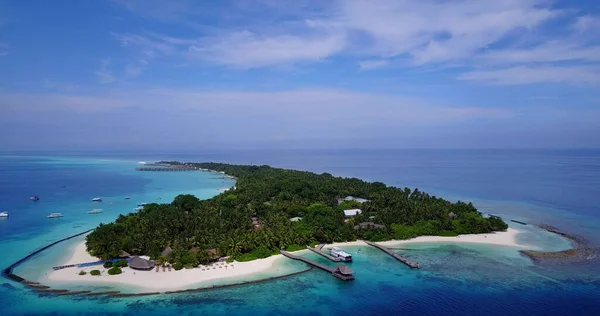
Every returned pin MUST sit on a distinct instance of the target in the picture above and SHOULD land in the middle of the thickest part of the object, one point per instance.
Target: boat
(97, 199)
(3, 214)
(142, 204)
(55, 215)
(95, 211)
(339, 253)
(34, 198)
(127, 198)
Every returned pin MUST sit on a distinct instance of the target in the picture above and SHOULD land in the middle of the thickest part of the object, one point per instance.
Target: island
(270, 209)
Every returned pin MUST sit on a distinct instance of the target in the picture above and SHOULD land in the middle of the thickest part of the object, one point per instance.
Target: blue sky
(145, 74)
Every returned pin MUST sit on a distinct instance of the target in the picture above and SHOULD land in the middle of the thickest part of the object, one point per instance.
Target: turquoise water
(456, 279)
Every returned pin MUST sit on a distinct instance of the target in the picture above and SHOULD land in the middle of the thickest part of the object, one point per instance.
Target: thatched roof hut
(343, 270)
(124, 254)
(141, 264)
(213, 253)
(166, 251)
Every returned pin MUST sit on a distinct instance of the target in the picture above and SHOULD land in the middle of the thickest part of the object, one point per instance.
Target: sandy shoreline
(159, 281)
(185, 278)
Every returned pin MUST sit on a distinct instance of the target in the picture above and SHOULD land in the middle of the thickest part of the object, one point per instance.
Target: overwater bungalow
(138, 263)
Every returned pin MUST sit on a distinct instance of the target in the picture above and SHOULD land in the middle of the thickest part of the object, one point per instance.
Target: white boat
(3, 214)
(139, 208)
(95, 211)
(142, 204)
(96, 199)
(55, 215)
(339, 253)
(34, 198)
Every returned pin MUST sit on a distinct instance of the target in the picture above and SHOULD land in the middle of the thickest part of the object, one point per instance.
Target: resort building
(352, 212)
(255, 223)
(138, 263)
(351, 198)
(369, 225)
(166, 252)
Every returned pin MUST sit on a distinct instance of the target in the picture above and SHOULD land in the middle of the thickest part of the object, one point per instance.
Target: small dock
(341, 271)
(410, 263)
(319, 250)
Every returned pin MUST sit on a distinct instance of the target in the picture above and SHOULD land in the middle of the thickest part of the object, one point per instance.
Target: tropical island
(272, 208)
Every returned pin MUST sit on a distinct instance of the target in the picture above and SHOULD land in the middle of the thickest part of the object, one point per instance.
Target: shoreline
(183, 280)
(166, 280)
(506, 238)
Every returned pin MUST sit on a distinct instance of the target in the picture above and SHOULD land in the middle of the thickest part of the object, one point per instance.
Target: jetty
(518, 222)
(410, 263)
(341, 271)
(319, 250)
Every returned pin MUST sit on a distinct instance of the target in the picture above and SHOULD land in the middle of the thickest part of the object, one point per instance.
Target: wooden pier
(410, 263)
(319, 250)
(341, 271)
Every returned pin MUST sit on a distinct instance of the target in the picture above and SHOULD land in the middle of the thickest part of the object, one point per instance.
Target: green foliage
(114, 271)
(274, 196)
(108, 264)
(229, 260)
(120, 264)
(82, 272)
(294, 248)
(95, 272)
(258, 253)
(189, 260)
(178, 266)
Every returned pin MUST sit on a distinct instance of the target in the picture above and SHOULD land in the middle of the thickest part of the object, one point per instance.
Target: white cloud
(104, 74)
(474, 34)
(536, 74)
(373, 64)
(587, 23)
(551, 51)
(249, 50)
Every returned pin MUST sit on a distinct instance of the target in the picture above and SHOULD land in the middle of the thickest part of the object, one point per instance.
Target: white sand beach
(159, 281)
(507, 238)
(190, 278)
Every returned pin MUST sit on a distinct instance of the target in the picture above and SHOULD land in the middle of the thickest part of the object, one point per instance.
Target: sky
(154, 74)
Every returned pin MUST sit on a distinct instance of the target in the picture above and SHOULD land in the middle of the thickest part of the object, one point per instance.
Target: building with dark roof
(138, 263)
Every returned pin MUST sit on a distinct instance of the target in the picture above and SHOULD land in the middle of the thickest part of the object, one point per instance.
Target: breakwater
(8, 272)
(40, 288)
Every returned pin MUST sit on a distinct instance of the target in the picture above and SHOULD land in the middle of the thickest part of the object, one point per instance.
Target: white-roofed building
(352, 212)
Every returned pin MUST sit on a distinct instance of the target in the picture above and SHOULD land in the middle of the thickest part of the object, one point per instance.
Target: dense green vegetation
(95, 272)
(224, 226)
(82, 272)
(114, 271)
(108, 264)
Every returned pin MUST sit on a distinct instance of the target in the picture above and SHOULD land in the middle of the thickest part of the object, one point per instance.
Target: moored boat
(97, 199)
(142, 204)
(95, 211)
(339, 253)
(34, 198)
(4, 214)
(55, 215)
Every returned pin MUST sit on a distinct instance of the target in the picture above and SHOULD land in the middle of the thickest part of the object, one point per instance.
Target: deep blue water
(559, 187)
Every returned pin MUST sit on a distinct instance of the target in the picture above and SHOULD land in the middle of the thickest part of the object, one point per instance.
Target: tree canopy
(192, 227)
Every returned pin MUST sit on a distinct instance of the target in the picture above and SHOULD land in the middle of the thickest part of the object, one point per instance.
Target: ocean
(556, 187)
